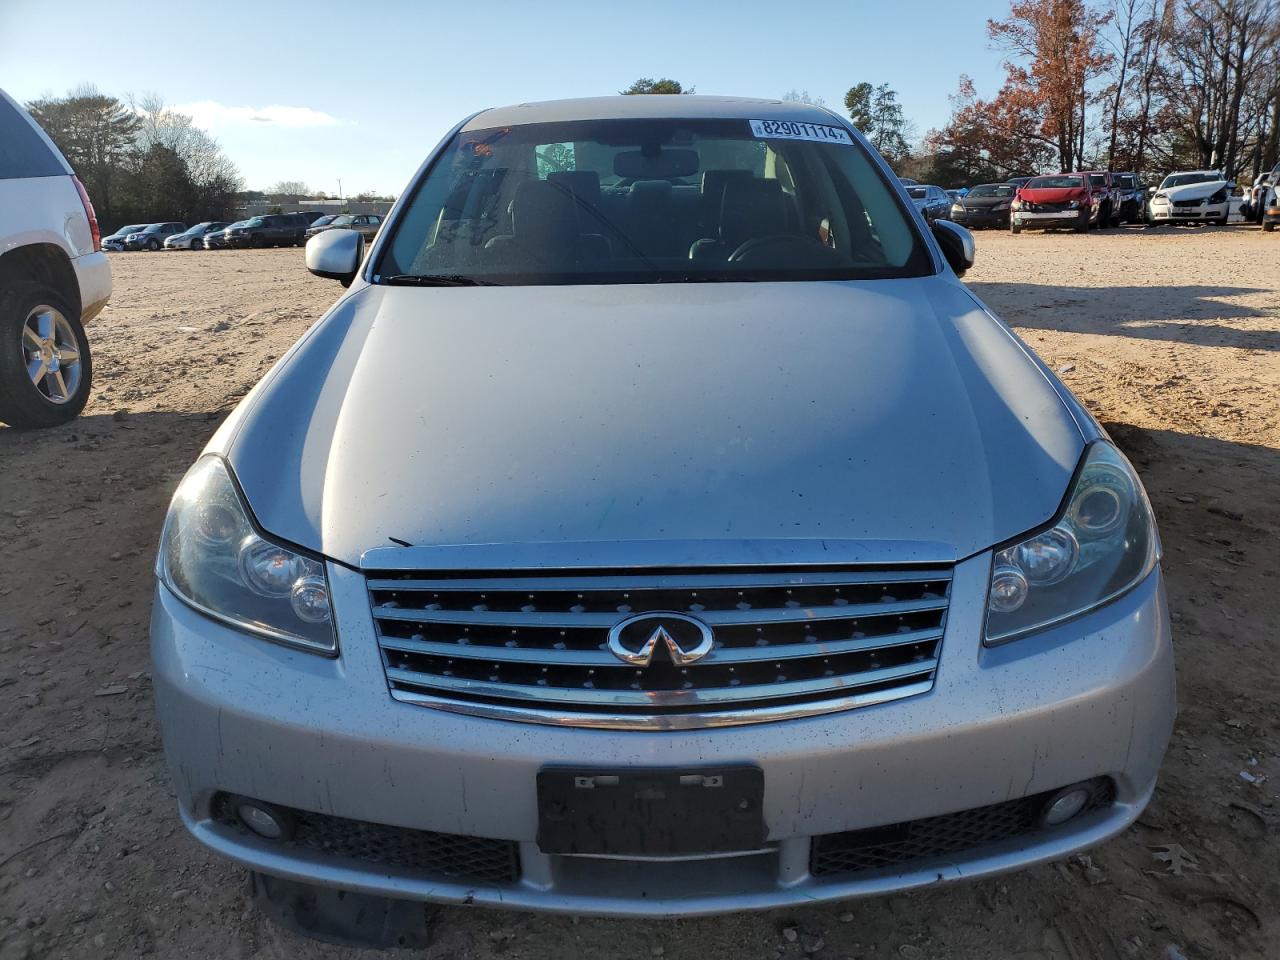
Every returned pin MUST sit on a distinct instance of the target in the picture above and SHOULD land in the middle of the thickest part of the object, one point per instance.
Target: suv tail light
(94, 231)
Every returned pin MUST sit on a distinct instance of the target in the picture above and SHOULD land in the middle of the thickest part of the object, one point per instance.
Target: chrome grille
(533, 646)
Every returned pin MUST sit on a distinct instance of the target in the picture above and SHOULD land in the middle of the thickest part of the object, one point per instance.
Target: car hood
(878, 413)
(1051, 194)
(984, 202)
(1194, 191)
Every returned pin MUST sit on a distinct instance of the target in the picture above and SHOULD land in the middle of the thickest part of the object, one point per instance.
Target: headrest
(649, 191)
(752, 208)
(543, 211)
(583, 184)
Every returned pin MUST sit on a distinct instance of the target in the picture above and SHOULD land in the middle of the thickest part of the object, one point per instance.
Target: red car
(1062, 200)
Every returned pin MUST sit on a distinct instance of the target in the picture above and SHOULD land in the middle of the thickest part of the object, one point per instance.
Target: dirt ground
(1172, 338)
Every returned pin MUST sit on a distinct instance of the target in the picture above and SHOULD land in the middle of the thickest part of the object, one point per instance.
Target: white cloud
(211, 115)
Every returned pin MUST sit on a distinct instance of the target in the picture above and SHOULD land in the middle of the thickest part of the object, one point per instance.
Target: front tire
(257, 242)
(1014, 228)
(1268, 226)
(45, 366)
(153, 244)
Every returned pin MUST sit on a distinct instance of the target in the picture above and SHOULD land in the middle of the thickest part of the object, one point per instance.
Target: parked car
(153, 236)
(54, 277)
(320, 224)
(1271, 207)
(907, 181)
(217, 239)
(1018, 181)
(1106, 196)
(670, 634)
(366, 224)
(931, 201)
(986, 205)
(1058, 200)
(269, 230)
(1192, 196)
(193, 237)
(1130, 197)
(115, 241)
(312, 216)
(1256, 200)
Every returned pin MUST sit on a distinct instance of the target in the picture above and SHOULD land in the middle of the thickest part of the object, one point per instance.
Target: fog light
(1008, 588)
(264, 820)
(1064, 805)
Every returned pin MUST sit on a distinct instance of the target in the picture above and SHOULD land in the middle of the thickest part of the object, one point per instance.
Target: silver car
(657, 526)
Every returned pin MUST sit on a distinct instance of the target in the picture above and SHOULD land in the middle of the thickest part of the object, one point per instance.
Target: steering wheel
(773, 245)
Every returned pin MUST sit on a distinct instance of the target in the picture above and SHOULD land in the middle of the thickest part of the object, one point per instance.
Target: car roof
(650, 107)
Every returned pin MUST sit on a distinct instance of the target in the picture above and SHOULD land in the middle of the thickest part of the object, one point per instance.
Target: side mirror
(956, 243)
(335, 255)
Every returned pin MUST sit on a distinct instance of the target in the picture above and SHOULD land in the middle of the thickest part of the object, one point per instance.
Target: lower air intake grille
(535, 646)
(933, 837)
(448, 855)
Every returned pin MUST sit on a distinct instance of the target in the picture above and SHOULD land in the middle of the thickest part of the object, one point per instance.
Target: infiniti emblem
(636, 639)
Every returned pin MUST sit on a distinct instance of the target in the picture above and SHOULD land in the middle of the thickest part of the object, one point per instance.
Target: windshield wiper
(436, 280)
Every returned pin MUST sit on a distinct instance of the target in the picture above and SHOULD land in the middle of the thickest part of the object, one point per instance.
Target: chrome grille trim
(789, 642)
(713, 618)
(662, 698)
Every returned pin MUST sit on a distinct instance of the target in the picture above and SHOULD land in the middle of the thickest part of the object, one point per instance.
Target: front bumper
(1171, 214)
(1090, 698)
(982, 218)
(1030, 220)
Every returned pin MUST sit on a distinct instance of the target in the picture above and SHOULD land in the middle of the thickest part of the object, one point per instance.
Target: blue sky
(322, 91)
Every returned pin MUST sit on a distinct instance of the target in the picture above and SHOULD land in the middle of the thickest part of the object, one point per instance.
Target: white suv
(53, 277)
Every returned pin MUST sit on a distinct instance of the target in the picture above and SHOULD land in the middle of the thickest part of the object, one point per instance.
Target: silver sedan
(657, 526)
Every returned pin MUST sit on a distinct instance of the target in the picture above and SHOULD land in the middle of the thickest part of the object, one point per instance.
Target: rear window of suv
(23, 152)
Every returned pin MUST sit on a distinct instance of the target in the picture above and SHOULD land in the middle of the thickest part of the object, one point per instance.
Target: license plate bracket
(650, 811)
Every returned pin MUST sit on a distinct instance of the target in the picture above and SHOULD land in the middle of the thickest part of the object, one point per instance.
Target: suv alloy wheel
(45, 367)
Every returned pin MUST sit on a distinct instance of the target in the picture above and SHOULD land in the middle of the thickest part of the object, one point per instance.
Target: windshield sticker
(791, 130)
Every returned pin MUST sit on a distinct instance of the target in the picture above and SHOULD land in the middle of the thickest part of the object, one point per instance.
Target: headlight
(1219, 197)
(212, 557)
(1160, 196)
(1103, 543)
(957, 208)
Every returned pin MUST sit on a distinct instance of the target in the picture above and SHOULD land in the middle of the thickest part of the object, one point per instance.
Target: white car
(54, 277)
(1193, 196)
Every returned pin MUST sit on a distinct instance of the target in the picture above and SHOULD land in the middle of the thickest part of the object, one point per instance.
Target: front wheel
(256, 242)
(45, 368)
(1014, 228)
(153, 244)
(1268, 226)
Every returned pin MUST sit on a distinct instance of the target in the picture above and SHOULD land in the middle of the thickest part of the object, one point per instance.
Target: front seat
(750, 209)
(544, 229)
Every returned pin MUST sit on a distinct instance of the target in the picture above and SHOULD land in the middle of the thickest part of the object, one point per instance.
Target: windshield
(255, 222)
(1098, 180)
(132, 228)
(1183, 179)
(992, 190)
(200, 227)
(343, 220)
(647, 201)
(918, 193)
(1054, 183)
(327, 218)
(154, 228)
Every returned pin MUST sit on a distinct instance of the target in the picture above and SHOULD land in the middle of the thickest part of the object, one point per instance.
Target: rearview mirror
(336, 255)
(666, 164)
(956, 243)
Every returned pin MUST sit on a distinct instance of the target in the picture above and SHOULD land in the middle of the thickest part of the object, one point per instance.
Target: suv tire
(257, 242)
(153, 244)
(23, 403)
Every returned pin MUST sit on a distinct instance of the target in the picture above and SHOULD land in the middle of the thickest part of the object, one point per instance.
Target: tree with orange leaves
(1054, 53)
